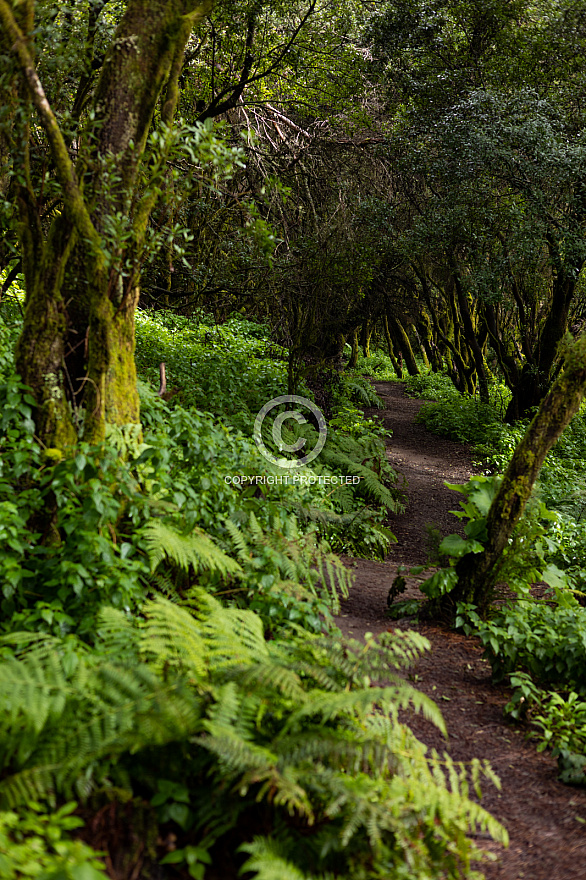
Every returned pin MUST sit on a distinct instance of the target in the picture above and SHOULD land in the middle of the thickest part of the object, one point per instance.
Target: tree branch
(235, 92)
(72, 196)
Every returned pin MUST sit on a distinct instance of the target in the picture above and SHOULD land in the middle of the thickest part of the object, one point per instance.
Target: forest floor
(544, 818)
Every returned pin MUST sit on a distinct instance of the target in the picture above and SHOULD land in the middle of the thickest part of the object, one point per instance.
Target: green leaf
(443, 581)
(456, 546)
(554, 576)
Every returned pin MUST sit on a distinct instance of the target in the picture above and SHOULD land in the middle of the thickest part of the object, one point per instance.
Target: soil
(545, 819)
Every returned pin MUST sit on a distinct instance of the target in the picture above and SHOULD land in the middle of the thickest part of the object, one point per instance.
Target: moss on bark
(475, 571)
(396, 365)
(400, 335)
(355, 350)
(77, 343)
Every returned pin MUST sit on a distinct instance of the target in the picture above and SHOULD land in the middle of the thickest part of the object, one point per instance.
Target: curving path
(548, 842)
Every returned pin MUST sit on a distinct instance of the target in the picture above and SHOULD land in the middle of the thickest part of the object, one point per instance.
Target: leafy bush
(231, 370)
(291, 576)
(560, 722)
(222, 719)
(525, 559)
(547, 641)
(96, 548)
(35, 843)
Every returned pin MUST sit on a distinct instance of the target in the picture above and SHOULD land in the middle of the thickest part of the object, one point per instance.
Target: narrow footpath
(544, 818)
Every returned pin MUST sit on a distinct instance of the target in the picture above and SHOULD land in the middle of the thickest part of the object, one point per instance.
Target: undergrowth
(168, 652)
(535, 644)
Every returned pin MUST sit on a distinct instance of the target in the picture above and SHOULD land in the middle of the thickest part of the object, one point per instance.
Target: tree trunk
(426, 336)
(396, 365)
(470, 335)
(536, 375)
(400, 334)
(422, 350)
(476, 571)
(507, 362)
(365, 336)
(77, 343)
(352, 363)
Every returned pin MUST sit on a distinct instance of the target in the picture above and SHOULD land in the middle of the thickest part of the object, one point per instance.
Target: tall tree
(82, 254)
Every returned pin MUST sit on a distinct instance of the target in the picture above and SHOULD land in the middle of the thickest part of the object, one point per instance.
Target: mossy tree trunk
(476, 571)
(506, 360)
(396, 365)
(537, 372)
(77, 342)
(355, 350)
(469, 333)
(424, 357)
(426, 336)
(400, 335)
(365, 337)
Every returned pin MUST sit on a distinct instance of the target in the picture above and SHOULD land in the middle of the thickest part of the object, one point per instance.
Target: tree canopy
(243, 198)
(416, 167)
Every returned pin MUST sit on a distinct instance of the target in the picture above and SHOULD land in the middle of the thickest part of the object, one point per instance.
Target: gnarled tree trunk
(399, 334)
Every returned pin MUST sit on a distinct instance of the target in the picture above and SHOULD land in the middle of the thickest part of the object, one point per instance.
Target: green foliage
(546, 640)
(560, 721)
(523, 561)
(464, 418)
(232, 369)
(125, 509)
(221, 727)
(550, 541)
(289, 575)
(378, 365)
(35, 843)
(295, 726)
(195, 858)
(196, 550)
(536, 643)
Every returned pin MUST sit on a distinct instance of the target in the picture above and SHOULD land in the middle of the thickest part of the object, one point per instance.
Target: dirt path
(547, 840)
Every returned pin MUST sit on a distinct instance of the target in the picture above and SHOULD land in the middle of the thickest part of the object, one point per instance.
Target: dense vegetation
(275, 198)
(117, 656)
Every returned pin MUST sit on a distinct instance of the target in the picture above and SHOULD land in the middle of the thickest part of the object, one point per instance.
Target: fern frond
(206, 638)
(102, 709)
(338, 705)
(271, 676)
(233, 635)
(196, 549)
(268, 863)
(169, 634)
(238, 539)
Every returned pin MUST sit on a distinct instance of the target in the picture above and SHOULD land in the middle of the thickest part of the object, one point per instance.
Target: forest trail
(547, 841)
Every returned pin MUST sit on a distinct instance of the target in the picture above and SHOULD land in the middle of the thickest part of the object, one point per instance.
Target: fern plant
(302, 729)
(289, 575)
(196, 549)
(285, 737)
